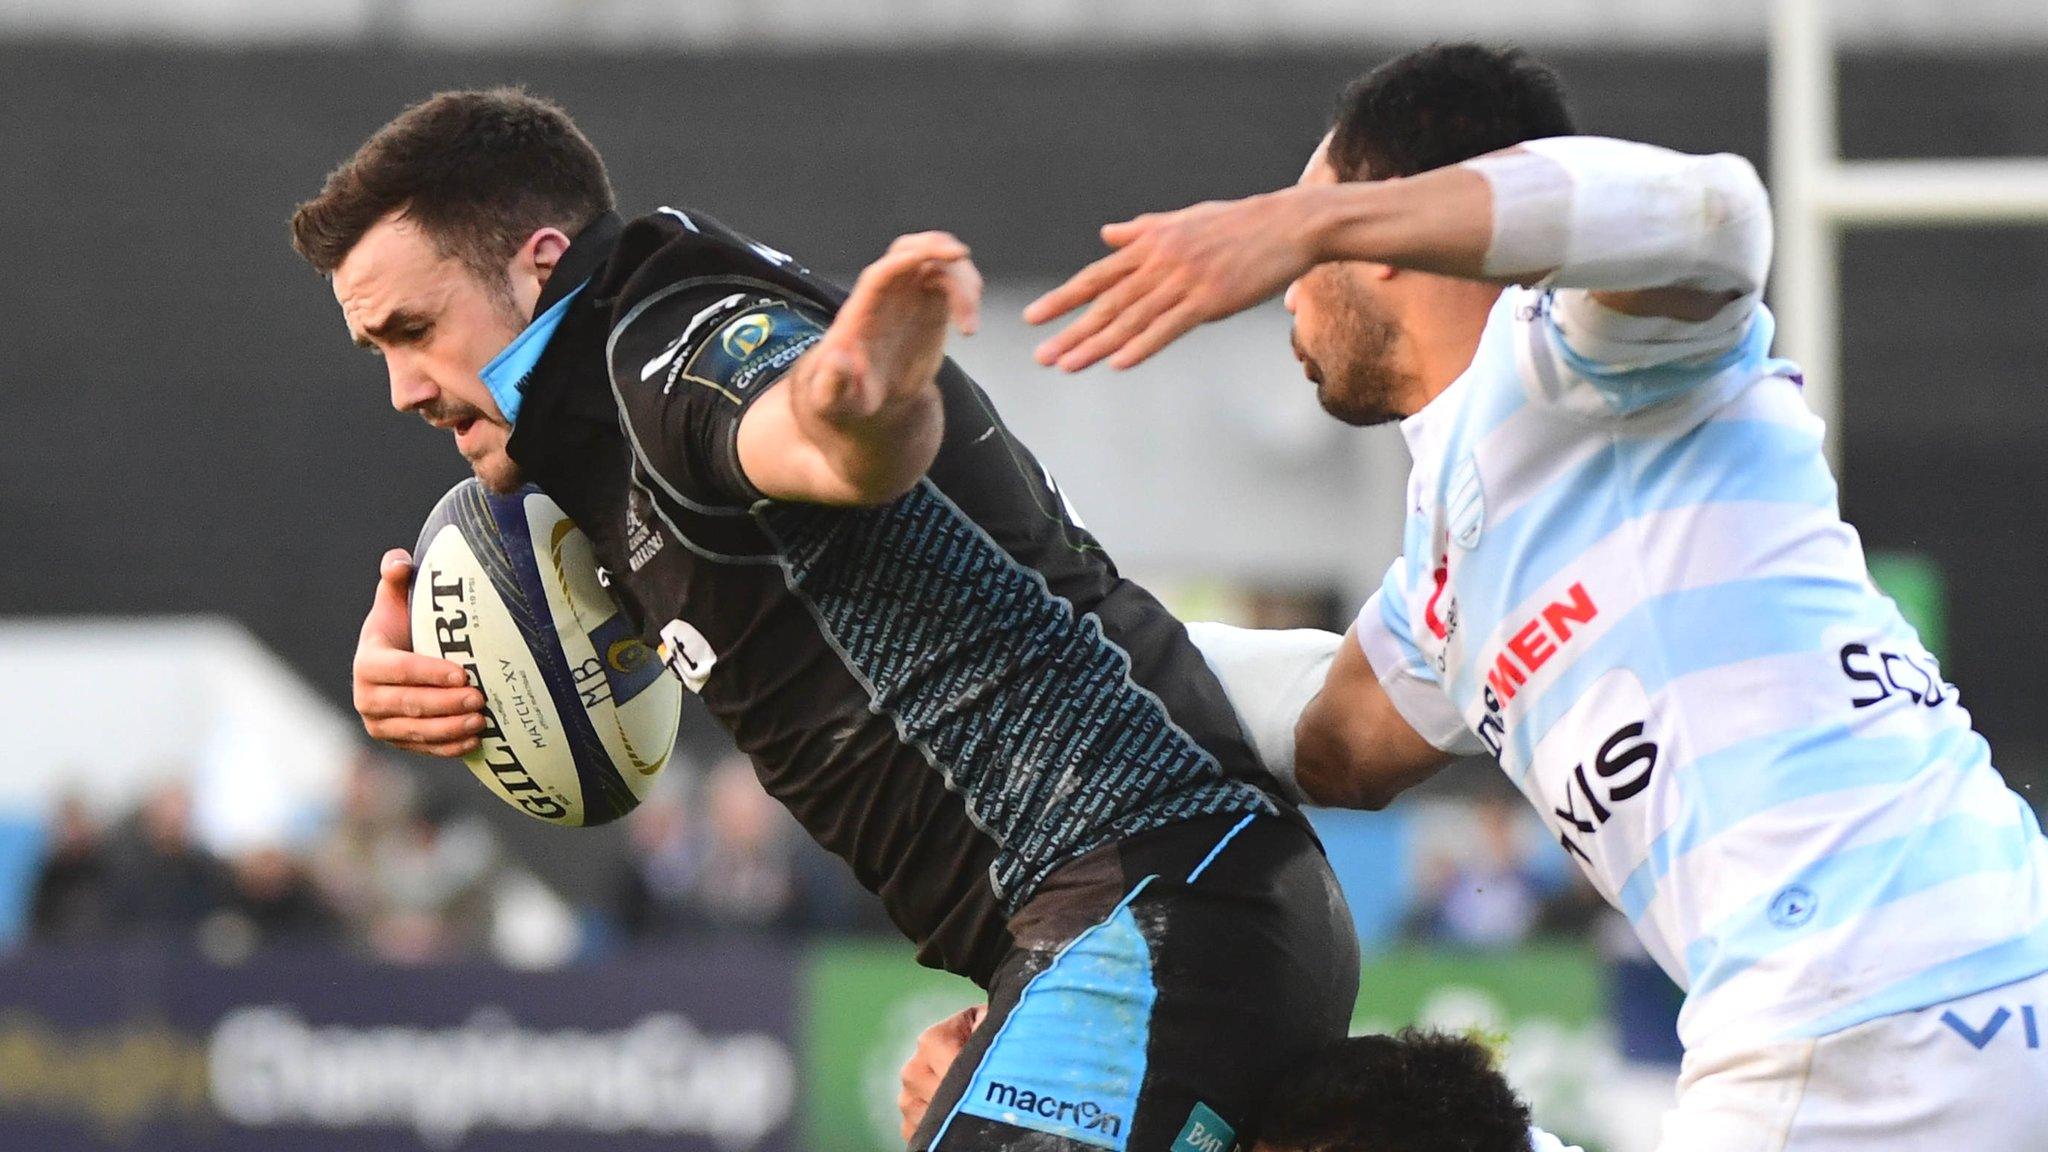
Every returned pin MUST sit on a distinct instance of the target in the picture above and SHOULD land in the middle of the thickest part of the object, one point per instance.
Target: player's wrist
(1351, 221)
(1325, 213)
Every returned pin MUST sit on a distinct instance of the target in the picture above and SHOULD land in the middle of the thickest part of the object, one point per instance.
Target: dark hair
(1443, 104)
(1413, 1092)
(479, 172)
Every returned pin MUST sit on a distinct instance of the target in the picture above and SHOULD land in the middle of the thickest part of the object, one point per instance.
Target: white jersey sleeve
(1582, 215)
(1385, 633)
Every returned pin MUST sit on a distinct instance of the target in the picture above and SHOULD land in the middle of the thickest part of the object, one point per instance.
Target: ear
(1318, 170)
(541, 253)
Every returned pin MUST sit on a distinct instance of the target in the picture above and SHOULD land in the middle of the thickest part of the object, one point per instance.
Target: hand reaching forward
(890, 335)
(1172, 271)
(862, 418)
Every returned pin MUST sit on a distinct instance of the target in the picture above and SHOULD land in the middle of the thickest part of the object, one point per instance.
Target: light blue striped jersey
(1631, 584)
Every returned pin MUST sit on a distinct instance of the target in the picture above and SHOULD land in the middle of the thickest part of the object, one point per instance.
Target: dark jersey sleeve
(689, 363)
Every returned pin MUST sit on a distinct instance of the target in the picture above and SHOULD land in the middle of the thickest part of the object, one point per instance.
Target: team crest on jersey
(643, 540)
(1465, 504)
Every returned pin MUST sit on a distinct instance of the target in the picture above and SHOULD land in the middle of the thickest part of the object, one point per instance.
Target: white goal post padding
(1818, 194)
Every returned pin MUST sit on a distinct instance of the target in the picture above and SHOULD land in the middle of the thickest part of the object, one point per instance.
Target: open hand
(890, 335)
(1172, 271)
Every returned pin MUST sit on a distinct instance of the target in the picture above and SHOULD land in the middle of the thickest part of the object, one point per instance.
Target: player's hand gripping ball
(579, 714)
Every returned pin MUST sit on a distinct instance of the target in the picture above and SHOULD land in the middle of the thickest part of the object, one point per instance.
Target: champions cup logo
(347, 1085)
(629, 655)
(746, 335)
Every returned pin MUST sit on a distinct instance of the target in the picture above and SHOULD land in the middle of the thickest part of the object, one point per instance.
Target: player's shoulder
(725, 339)
(690, 234)
(693, 298)
(1567, 352)
(678, 250)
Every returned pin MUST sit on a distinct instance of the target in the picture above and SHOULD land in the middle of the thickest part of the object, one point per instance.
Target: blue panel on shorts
(1070, 1059)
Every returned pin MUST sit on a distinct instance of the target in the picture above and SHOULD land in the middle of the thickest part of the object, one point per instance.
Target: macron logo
(1086, 1114)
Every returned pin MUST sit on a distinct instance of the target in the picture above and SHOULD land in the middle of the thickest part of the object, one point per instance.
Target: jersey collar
(1427, 426)
(507, 374)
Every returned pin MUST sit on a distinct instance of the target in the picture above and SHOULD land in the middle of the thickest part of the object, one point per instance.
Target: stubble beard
(495, 469)
(1360, 382)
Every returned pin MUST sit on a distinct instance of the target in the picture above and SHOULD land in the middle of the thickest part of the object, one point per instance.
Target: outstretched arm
(1352, 746)
(1317, 715)
(1650, 232)
(858, 419)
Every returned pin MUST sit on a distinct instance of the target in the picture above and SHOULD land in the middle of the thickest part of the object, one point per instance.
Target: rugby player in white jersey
(1626, 578)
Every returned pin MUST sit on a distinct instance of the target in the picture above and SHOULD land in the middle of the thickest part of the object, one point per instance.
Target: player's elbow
(1736, 218)
(1368, 793)
(1332, 760)
(877, 489)
(1332, 777)
(1355, 751)
(1733, 184)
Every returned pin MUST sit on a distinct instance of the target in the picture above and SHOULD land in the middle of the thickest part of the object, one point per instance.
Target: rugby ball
(579, 714)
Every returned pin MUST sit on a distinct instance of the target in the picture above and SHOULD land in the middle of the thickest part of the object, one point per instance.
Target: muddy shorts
(1158, 986)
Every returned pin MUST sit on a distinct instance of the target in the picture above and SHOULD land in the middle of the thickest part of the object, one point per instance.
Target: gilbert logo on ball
(578, 716)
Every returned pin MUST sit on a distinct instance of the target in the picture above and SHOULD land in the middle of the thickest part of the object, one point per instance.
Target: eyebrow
(393, 321)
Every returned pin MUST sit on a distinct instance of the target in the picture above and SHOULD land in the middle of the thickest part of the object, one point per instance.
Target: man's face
(436, 324)
(1347, 339)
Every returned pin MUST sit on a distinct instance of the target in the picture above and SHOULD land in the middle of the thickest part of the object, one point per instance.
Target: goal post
(1818, 195)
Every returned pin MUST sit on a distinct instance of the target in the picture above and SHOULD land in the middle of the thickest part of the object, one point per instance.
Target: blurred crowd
(407, 873)
(720, 855)
(149, 877)
(1488, 882)
(405, 877)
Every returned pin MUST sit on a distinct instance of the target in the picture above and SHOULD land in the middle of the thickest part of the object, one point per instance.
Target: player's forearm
(873, 439)
(1318, 719)
(1575, 212)
(1437, 222)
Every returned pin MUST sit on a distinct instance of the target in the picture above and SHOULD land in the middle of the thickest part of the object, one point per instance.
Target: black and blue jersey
(955, 692)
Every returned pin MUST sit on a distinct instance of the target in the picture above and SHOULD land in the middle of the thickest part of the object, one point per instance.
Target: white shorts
(1967, 1076)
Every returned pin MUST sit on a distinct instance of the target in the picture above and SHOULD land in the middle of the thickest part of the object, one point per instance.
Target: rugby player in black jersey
(878, 590)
